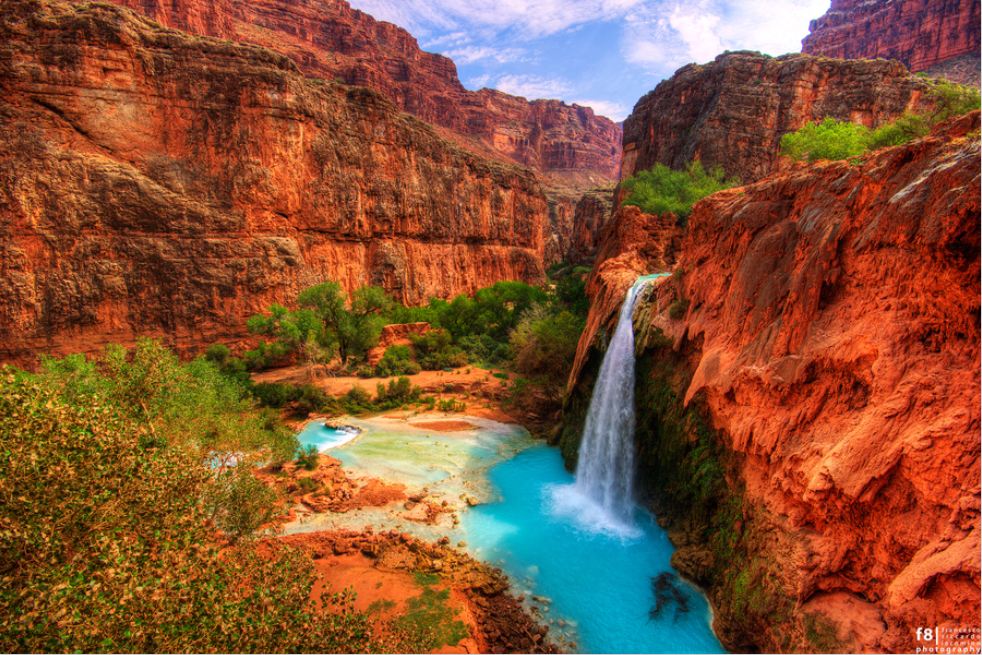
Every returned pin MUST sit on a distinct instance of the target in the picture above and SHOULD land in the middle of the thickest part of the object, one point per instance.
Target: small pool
(316, 434)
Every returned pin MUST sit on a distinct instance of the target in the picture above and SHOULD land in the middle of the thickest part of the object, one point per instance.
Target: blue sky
(601, 53)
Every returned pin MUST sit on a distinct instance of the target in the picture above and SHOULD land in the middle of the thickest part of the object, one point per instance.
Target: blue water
(324, 438)
(599, 582)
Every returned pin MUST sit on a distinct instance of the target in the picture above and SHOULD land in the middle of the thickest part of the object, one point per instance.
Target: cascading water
(602, 497)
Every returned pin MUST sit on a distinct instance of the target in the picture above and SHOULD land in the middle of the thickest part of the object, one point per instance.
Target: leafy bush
(544, 344)
(435, 350)
(111, 516)
(906, 128)
(951, 99)
(829, 139)
(396, 394)
(451, 405)
(833, 139)
(308, 457)
(397, 360)
(662, 189)
(275, 394)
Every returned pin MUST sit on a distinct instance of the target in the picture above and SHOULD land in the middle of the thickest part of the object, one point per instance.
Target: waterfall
(602, 498)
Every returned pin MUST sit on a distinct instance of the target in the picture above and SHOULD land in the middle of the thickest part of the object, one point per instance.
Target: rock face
(938, 36)
(589, 218)
(163, 184)
(733, 111)
(569, 144)
(809, 398)
(632, 244)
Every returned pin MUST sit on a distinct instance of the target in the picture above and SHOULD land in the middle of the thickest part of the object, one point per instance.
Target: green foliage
(951, 99)
(662, 189)
(544, 345)
(424, 579)
(275, 394)
(833, 139)
(828, 139)
(451, 405)
(239, 503)
(906, 128)
(308, 457)
(308, 485)
(109, 514)
(396, 394)
(397, 360)
(435, 351)
(429, 622)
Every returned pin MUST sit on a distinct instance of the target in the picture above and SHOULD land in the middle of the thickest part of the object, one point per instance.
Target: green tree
(829, 139)
(355, 329)
(298, 331)
(661, 189)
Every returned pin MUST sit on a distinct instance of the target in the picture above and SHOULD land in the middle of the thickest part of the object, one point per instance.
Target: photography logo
(944, 639)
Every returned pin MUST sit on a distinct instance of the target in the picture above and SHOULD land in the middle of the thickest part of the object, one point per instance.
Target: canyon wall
(808, 397)
(568, 144)
(164, 184)
(733, 111)
(940, 37)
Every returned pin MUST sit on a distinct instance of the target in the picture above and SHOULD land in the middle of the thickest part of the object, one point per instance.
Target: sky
(604, 54)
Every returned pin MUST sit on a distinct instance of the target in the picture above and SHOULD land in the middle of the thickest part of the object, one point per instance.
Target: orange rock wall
(569, 144)
(733, 111)
(157, 183)
(831, 338)
(925, 35)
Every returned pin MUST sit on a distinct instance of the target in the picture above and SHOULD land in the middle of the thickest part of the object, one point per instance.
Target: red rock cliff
(733, 111)
(329, 39)
(938, 36)
(829, 335)
(157, 183)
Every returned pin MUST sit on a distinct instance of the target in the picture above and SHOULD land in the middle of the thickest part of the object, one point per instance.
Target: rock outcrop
(940, 37)
(589, 218)
(568, 144)
(163, 184)
(809, 398)
(733, 111)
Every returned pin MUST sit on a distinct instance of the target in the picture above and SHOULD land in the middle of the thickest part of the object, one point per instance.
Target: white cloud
(615, 111)
(531, 17)
(472, 53)
(532, 86)
(667, 34)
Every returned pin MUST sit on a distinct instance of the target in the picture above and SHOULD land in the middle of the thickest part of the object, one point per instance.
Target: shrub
(951, 99)
(435, 350)
(356, 401)
(828, 139)
(109, 539)
(308, 457)
(906, 128)
(274, 394)
(451, 405)
(308, 485)
(544, 345)
(397, 360)
(662, 189)
(396, 393)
